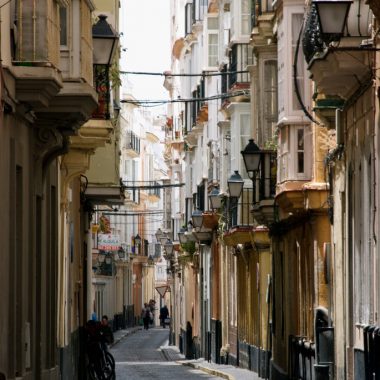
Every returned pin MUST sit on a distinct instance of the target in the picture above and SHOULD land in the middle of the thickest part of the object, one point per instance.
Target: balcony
(262, 22)
(265, 190)
(340, 69)
(194, 14)
(241, 55)
(131, 144)
(37, 75)
(238, 219)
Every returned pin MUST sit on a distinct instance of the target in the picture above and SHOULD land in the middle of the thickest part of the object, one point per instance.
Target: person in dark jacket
(164, 313)
(106, 330)
(146, 316)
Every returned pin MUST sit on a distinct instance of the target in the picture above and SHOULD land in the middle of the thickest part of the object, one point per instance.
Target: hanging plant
(188, 247)
(114, 73)
(185, 259)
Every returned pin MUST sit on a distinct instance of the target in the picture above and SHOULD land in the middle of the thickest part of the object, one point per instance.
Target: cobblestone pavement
(141, 354)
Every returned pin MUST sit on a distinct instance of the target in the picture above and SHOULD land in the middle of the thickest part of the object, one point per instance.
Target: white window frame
(287, 107)
(288, 153)
(212, 32)
(238, 134)
(239, 20)
(284, 153)
(268, 100)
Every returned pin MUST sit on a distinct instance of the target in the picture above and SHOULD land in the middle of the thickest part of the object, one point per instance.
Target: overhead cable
(205, 74)
(144, 187)
(188, 100)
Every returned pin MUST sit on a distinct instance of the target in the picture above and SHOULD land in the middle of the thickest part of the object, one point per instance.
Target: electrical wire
(188, 100)
(143, 187)
(206, 74)
(127, 213)
(295, 74)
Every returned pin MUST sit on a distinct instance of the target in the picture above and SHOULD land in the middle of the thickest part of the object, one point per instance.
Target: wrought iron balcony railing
(240, 57)
(237, 212)
(258, 7)
(132, 141)
(267, 179)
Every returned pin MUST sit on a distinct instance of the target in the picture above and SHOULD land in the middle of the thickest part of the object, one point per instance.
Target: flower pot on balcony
(210, 220)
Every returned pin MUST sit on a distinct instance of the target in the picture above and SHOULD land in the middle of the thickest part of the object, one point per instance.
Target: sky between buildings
(145, 28)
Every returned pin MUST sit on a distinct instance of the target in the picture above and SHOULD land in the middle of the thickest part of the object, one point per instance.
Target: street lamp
(169, 247)
(137, 239)
(101, 257)
(332, 16)
(150, 260)
(120, 252)
(197, 218)
(235, 185)
(159, 234)
(104, 42)
(163, 238)
(252, 159)
(108, 259)
(181, 236)
(215, 198)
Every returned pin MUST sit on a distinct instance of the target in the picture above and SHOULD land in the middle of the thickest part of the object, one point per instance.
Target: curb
(208, 370)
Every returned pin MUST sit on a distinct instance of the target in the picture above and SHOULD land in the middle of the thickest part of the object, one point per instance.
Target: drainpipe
(89, 303)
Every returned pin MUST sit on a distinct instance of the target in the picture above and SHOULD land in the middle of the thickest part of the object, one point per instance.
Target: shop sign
(108, 242)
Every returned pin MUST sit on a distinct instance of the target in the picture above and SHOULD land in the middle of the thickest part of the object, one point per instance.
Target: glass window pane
(63, 26)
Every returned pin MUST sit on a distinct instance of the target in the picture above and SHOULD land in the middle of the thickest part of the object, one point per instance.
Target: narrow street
(139, 356)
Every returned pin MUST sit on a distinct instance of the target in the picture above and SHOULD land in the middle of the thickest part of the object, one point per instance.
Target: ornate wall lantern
(158, 234)
(215, 198)
(197, 218)
(235, 185)
(332, 17)
(104, 41)
(252, 159)
(181, 236)
(169, 247)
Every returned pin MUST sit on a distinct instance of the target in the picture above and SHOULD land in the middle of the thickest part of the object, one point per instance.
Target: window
(213, 41)
(241, 55)
(63, 26)
(245, 17)
(240, 19)
(241, 125)
(199, 9)
(297, 20)
(294, 163)
(269, 100)
(300, 151)
(284, 153)
(188, 18)
(281, 70)
(245, 135)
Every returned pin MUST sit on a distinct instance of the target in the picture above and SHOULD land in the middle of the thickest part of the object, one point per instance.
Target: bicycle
(101, 363)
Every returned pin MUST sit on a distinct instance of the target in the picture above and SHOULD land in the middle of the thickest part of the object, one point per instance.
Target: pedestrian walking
(152, 306)
(164, 314)
(146, 315)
